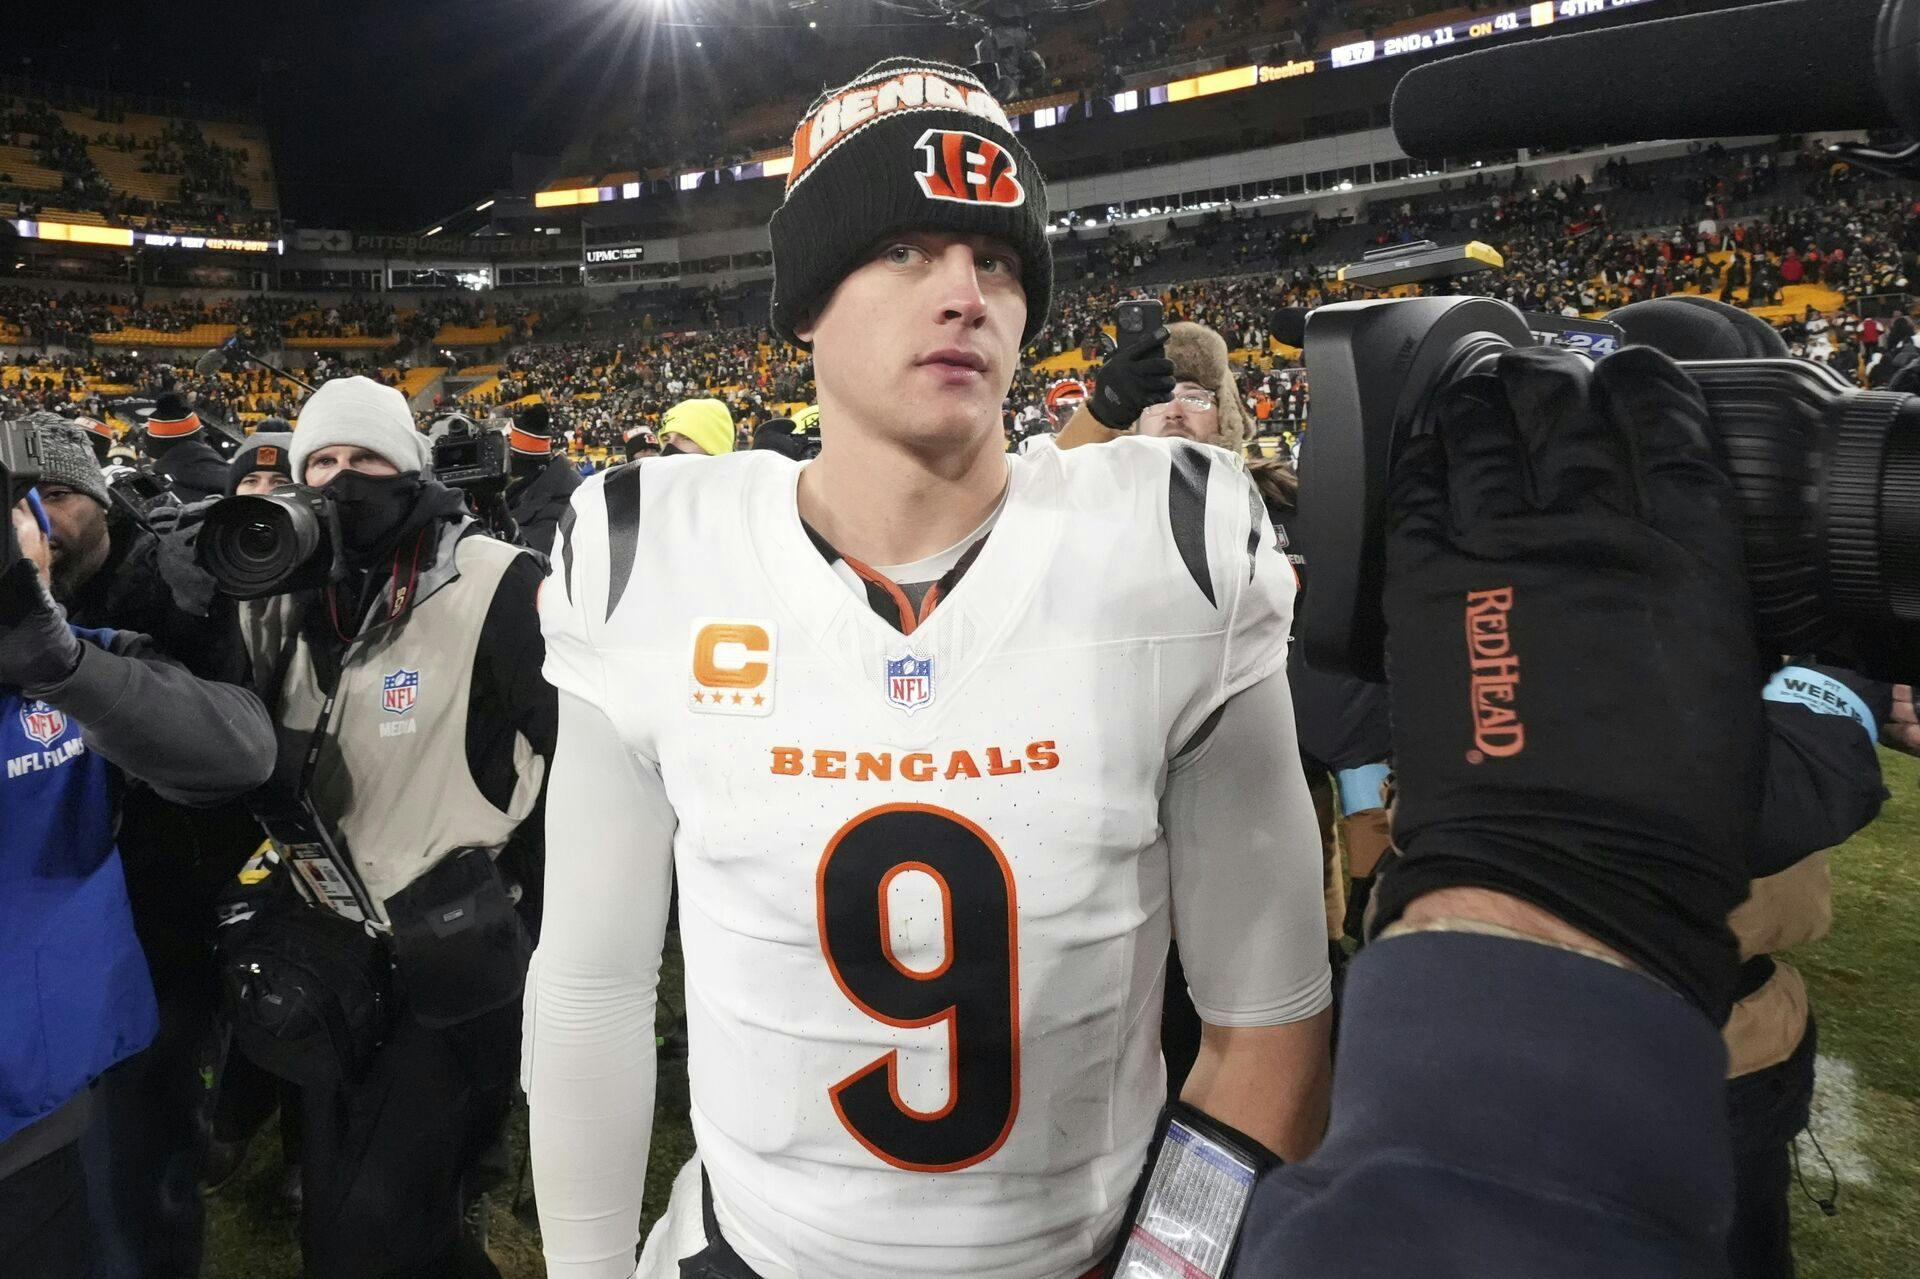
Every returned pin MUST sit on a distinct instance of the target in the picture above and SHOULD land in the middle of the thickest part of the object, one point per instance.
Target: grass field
(1865, 986)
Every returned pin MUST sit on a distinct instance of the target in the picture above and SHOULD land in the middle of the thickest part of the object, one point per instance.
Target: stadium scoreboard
(1531, 18)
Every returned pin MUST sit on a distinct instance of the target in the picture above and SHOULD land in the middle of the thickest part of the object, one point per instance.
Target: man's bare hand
(1902, 729)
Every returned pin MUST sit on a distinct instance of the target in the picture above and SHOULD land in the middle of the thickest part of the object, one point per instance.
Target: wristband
(1360, 787)
(1821, 694)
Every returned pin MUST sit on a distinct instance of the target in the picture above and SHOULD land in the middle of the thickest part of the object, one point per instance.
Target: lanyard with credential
(325, 872)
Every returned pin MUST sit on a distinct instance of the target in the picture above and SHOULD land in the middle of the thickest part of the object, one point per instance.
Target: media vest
(392, 780)
(76, 997)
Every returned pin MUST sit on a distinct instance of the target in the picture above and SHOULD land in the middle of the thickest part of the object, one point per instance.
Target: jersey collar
(984, 599)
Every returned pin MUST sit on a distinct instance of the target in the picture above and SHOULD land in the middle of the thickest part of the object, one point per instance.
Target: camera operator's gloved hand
(178, 528)
(1901, 729)
(37, 648)
(1573, 670)
(1133, 378)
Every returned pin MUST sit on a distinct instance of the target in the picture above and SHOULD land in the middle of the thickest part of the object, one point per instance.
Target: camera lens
(259, 545)
(256, 541)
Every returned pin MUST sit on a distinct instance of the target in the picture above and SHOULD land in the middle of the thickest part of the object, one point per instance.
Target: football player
(942, 745)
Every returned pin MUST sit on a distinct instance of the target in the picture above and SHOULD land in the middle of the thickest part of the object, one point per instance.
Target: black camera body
(472, 458)
(19, 472)
(256, 545)
(138, 490)
(1828, 478)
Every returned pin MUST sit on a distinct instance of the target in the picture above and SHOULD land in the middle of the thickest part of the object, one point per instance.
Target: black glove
(37, 648)
(1572, 664)
(1133, 378)
(178, 528)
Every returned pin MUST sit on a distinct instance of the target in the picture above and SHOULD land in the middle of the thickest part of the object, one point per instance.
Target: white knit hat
(358, 410)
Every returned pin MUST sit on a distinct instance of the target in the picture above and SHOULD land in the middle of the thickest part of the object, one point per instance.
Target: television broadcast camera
(19, 472)
(1827, 476)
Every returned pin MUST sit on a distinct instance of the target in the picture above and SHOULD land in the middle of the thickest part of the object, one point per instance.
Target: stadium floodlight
(437, 230)
(482, 208)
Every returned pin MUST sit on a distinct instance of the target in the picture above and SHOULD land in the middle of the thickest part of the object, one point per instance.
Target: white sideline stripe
(1838, 1124)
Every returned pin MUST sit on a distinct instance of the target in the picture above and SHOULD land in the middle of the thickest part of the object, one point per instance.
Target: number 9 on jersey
(974, 989)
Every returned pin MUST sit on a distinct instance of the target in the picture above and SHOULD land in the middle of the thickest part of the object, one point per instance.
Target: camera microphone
(1789, 66)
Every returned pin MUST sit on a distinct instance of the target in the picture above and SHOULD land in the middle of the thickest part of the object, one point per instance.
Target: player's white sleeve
(588, 1047)
(1244, 848)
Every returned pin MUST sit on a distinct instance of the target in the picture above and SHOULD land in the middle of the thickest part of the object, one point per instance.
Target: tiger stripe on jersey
(1187, 481)
(623, 531)
(1256, 521)
(565, 538)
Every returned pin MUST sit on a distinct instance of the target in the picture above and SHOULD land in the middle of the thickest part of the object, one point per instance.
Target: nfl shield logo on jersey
(42, 723)
(910, 682)
(399, 691)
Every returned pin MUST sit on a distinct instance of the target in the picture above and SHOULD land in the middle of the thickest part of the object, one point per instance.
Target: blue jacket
(76, 997)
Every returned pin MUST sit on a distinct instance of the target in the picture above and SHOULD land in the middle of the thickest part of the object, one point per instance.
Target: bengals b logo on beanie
(907, 145)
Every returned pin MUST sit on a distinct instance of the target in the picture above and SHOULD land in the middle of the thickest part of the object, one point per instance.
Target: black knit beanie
(908, 145)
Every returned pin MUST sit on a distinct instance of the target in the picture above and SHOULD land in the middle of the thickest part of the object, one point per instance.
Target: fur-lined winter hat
(1199, 356)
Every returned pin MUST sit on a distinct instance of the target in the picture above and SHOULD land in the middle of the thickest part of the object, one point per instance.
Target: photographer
(1823, 783)
(143, 1160)
(1530, 1063)
(82, 713)
(543, 480)
(418, 670)
(176, 443)
(264, 463)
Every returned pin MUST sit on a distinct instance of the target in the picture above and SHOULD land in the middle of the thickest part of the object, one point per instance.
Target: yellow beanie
(706, 422)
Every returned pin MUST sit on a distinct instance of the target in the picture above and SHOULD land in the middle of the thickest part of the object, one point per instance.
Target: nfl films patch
(42, 724)
(731, 668)
(909, 682)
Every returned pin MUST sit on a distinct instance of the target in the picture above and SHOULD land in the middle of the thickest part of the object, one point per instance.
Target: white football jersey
(924, 891)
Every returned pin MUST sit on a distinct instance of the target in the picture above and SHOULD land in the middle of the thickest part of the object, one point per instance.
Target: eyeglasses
(1199, 401)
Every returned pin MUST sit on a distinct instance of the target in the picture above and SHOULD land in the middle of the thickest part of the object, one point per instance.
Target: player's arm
(589, 1062)
(588, 1047)
(1250, 923)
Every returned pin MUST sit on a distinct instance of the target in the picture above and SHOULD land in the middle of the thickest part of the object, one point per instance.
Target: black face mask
(373, 510)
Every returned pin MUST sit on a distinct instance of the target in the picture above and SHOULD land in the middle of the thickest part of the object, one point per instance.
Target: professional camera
(256, 545)
(470, 458)
(19, 471)
(138, 490)
(1828, 477)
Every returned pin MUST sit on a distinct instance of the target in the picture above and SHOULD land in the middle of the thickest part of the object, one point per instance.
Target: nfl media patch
(42, 724)
(910, 682)
(399, 691)
(731, 668)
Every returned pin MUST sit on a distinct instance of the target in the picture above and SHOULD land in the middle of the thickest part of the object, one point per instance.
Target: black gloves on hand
(1134, 377)
(1573, 670)
(37, 649)
(178, 528)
